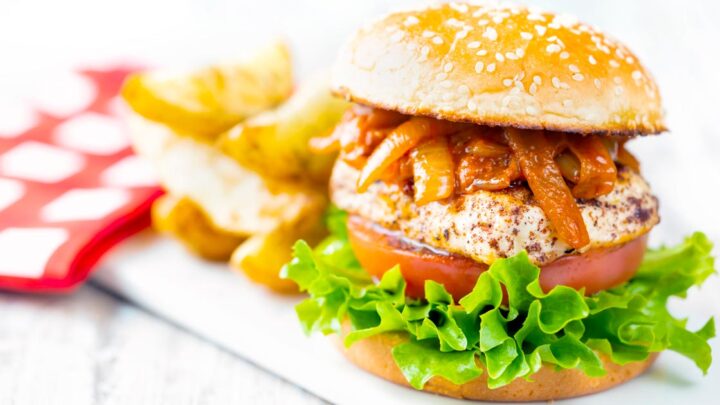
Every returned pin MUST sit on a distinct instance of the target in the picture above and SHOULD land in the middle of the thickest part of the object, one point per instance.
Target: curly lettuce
(506, 339)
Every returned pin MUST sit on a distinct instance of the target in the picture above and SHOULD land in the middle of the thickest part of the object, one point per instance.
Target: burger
(490, 230)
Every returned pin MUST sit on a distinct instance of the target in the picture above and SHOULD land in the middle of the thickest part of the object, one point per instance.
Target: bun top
(502, 66)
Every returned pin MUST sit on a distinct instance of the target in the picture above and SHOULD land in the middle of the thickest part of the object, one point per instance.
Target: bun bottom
(374, 355)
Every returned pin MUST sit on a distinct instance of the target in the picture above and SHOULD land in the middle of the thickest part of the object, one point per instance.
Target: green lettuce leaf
(511, 338)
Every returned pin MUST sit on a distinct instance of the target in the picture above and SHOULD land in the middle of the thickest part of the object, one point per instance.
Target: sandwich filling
(434, 160)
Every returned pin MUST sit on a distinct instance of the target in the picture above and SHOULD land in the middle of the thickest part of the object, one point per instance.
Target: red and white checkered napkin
(70, 186)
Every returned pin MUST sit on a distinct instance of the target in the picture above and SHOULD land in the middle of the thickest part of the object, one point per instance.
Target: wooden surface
(91, 348)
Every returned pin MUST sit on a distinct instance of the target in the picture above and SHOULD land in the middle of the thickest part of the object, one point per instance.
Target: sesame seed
(427, 34)
(459, 7)
(614, 63)
(464, 89)
(499, 57)
(396, 37)
(507, 82)
(592, 60)
(629, 60)
(619, 90)
(474, 45)
(540, 29)
(535, 17)
(552, 48)
(533, 88)
(424, 51)
(490, 33)
(537, 80)
(578, 77)
(636, 75)
(554, 25)
(497, 19)
(471, 105)
(531, 110)
(481, 52)
(526, 35)
(597, 83)
(441, 76)
(520, 52)
(448, 67)
(617, 80)
(491, 68)
(446, 83)
(482, 22)
(479, 67)
(573, 68)
(453, 22)
(437, 40)
(462, 34)
(411, 20)
(511, 56)
(556, 82)
(564, 55)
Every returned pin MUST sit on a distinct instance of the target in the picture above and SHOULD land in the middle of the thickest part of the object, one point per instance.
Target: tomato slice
(378, 250)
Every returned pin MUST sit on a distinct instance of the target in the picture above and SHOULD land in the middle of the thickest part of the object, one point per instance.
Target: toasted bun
(500, 66)
(374, 355)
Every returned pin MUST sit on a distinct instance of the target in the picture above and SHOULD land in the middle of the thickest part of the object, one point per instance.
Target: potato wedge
(275, 143)
(262, 256)
(208, 101)
(236, 199)
(185, 220)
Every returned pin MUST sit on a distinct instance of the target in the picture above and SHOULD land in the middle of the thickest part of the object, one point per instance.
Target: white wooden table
(92, 347)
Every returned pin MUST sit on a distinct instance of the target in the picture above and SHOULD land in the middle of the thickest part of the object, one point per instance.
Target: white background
(677, 40)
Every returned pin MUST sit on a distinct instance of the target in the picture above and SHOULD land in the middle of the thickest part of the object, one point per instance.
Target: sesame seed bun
(505, 66)
(374, 355)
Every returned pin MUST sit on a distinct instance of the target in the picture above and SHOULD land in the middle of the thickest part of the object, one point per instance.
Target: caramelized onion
(382, 119)
(482, 147)
(569, 166)
(597, 169)
(535, 155)
(627, 159)
(433, 170)
(486, 173)
(403, 138)
(611, 145)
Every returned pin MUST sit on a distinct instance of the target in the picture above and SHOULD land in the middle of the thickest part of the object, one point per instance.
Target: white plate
(225, 308)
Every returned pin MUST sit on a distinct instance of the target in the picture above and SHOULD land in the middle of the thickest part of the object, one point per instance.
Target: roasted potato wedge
(185, 220)
(205, 102)
(236, 199)
(262, 256)
(275, 143)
